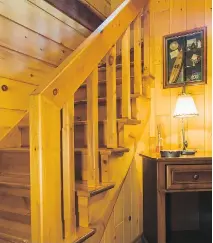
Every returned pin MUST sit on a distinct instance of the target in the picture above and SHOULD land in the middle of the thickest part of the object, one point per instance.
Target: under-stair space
(90, 132)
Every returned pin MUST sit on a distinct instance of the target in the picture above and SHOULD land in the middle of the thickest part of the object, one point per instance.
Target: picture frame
(185, 58)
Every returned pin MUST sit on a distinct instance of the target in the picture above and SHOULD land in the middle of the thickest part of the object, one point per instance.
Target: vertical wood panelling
(208, 87)
(109, 235)
(126, 108)
(92, 128)
(175, 16)
(195, 14)
(127, 208)
(119, 208)
(111, 99)
(119, 233)
(69, 170)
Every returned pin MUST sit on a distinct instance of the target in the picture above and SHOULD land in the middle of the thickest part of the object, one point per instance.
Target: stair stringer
(118, 167)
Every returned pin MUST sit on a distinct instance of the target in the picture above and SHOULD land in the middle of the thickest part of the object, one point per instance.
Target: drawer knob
(196, 177)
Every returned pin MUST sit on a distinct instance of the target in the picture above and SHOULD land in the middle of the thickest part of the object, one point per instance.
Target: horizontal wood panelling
(17, 95)
(101, 8)
(61, 17)
(23, 40)
(46, 24)
(78, 11)
(22, 68)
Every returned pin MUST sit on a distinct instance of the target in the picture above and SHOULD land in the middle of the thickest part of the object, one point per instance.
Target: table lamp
(185, 107)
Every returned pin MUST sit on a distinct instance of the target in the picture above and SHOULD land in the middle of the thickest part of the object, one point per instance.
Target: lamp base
(188, 152)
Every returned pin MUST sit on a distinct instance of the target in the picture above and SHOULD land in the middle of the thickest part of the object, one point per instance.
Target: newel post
(45, 171)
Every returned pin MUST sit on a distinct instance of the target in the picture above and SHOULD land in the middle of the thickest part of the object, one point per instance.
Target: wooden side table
(166, 176)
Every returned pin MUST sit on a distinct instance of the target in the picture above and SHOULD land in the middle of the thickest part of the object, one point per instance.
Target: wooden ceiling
(35, 38)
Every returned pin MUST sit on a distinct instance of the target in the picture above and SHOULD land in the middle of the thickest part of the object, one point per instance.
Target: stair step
(15, 181)
(81, 108)
(14, 160)
(108, 151)
(81, 131)
(81, 93)
(83, 189)
(103, 99)
(83, 234)
(102, 71)
(21, 215)
(119, 120)
(14, 232)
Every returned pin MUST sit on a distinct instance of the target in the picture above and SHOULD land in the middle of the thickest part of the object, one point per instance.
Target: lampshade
(185, 107)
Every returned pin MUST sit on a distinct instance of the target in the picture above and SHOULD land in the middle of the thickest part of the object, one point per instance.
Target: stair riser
(81, 135)
(25, 137)
(81, 111)
(102, 73)
(17, 192)
(14, 162)
(24, 219)
(81, 93)
(10, 203)
(81, 166)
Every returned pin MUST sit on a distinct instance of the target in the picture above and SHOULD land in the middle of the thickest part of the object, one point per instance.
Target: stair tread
(104, 150)
(12, 230)
(83, 234)
(21, 211)
(103, 99)
(84, 190)
(25, 149)
(104, 81)
(118, 66)
(14, 180)
(119, 120)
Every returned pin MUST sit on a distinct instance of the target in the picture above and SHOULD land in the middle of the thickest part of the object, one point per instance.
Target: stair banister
(68, 77)
(46, 125)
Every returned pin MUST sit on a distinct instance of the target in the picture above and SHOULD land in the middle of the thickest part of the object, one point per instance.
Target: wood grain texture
(23, 40)
(16, 66)
(79, 12)
(137, 55)
(92, 129)
(125, 52)
(47, 25)
(100, 8)
(73, 66)
(173, 17)
(69, 171)
(16, 96)
(45, 157)
(111, 99)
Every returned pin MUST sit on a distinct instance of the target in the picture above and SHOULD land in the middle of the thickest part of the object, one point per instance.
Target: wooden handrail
(68, 77)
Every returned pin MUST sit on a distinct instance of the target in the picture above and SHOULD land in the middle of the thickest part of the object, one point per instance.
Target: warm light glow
(185, 107)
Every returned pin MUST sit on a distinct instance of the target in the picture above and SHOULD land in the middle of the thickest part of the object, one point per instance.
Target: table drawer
(189, 177)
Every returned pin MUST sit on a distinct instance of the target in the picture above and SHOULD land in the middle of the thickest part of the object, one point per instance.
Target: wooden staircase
(15, 170)
(55, 179)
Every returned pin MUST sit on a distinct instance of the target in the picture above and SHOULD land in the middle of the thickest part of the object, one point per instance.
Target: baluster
(126, 108)
(45, 171)
(137, 55)
(92, 128)
(111, 99)
(69, 170)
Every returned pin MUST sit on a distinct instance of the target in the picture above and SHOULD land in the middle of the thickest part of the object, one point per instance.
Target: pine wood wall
(163, 17)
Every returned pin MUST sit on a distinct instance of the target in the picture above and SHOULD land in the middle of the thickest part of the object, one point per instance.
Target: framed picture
(185, 58)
